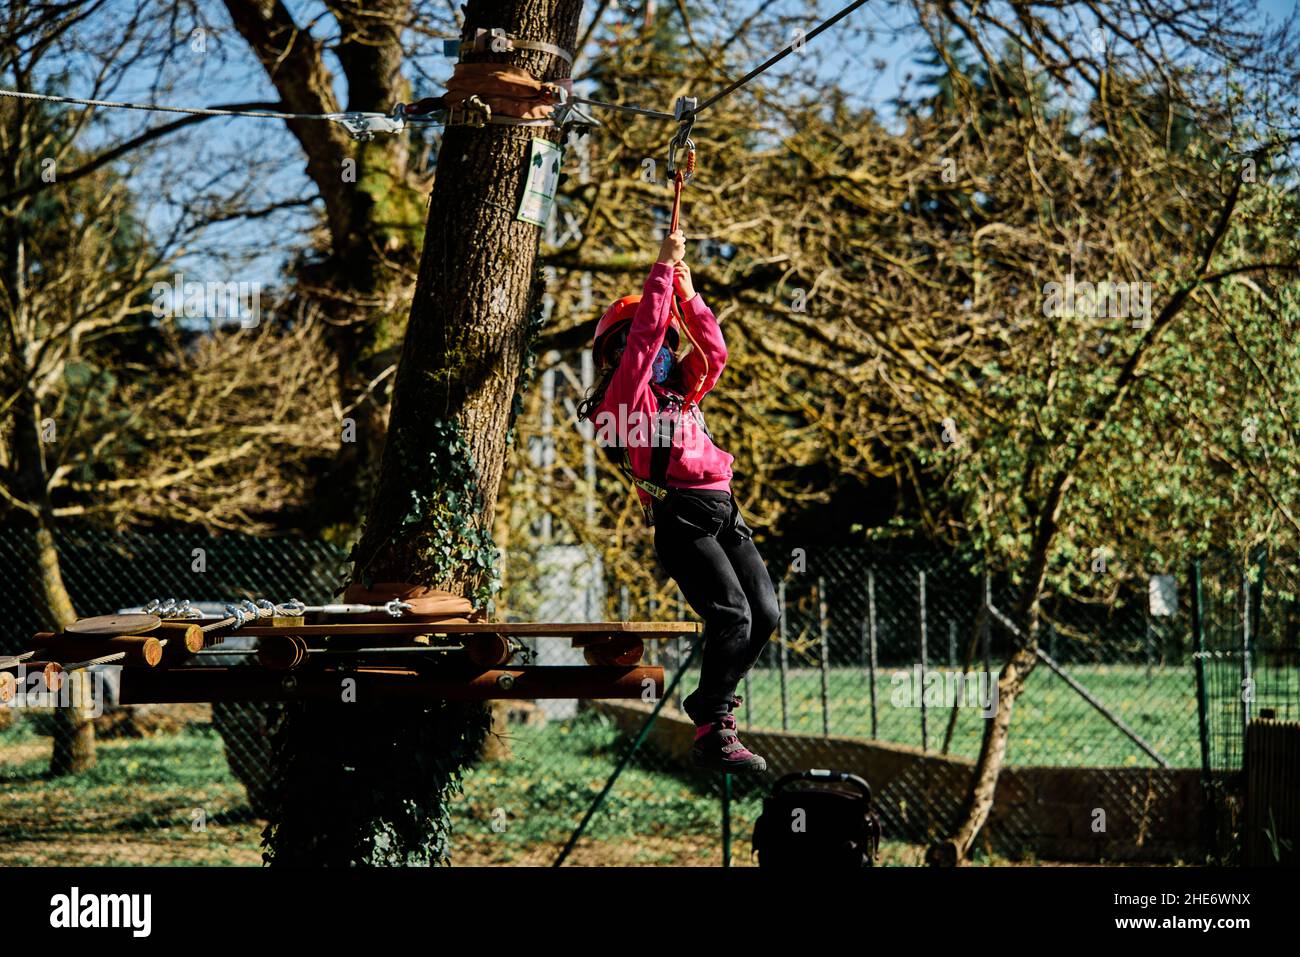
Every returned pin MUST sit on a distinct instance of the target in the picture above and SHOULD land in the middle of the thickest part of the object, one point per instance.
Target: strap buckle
(496, 40)
(469, 112)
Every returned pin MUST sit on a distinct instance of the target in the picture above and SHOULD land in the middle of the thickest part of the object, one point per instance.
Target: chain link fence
(1248, 668)
(886, 665)
(883, 664)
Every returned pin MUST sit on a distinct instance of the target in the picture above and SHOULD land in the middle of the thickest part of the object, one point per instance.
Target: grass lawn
(1052, 724)
(171, 799)
(168, 799)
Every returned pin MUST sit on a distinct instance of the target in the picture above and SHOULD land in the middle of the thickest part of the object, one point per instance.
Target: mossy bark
(368, 783)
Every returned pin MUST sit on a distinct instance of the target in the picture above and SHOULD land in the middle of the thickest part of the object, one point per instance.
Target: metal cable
(159, 108)
(274, 115)
(640, 111)
(777, 58)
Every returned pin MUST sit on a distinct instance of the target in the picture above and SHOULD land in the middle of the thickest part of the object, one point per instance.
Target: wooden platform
(408, 659)
(645, 630)
(183, 685)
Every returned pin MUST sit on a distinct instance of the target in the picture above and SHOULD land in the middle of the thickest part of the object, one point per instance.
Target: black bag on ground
(817, 818)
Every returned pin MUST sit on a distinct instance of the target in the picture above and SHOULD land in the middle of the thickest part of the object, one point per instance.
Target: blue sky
(273, 165)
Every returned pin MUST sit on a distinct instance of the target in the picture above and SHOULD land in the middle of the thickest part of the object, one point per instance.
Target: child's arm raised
(704, 330)
(649, 325)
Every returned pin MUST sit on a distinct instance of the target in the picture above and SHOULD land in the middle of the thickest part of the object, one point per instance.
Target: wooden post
(51, 672)
(183, 640)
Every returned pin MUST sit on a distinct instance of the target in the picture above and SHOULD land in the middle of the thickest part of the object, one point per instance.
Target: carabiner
(676, 144)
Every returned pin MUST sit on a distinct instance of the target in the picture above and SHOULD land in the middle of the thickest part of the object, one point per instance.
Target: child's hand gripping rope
(673, 248)
(682, 284)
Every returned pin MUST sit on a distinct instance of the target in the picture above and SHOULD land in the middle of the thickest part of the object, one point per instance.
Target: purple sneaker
(717, 748)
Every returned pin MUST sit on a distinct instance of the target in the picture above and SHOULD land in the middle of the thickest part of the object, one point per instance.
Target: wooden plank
(651, 630)
(109, 625)
(143, 651)
(182, 685)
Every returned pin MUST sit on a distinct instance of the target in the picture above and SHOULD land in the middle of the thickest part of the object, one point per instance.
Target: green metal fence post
(1202, 695)
(1245, 692)
(872, 662)
(825, 646)
(726, 820)
(925, 664)
(782, 661)
(1208, 808)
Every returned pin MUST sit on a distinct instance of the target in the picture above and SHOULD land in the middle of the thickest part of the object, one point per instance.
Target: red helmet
(617, 318)
(621, 311)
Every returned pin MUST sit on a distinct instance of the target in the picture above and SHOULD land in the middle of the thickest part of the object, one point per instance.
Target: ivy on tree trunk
(367, 783)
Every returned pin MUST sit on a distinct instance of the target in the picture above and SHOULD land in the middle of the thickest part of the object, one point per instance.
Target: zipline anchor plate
(364, 126)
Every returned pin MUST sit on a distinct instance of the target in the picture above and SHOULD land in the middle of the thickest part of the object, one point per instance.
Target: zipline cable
(160, 108)
(640, 111)
(343, 117)
(777, 58)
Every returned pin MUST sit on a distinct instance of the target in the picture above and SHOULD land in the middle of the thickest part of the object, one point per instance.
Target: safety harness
(671, 406)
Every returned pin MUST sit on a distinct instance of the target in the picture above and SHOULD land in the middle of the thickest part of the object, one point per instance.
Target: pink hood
(625, 415)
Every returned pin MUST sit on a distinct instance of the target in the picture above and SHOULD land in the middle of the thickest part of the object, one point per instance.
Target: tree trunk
(74, 731)
(1011, 681)
(74, 728)
(979, 802)
(389, 769)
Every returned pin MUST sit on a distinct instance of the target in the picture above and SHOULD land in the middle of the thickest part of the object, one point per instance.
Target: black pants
(704, 544)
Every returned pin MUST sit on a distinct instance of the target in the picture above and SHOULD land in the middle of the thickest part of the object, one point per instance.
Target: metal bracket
(570, 114)
(364, 126)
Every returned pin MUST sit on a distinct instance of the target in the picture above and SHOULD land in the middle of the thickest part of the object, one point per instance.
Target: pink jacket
(625, 415)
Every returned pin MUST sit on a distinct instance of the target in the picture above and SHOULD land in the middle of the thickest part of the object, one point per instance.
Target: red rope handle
(679, 180)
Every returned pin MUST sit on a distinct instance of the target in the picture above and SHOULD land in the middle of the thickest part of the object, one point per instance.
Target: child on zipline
(684, 482)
